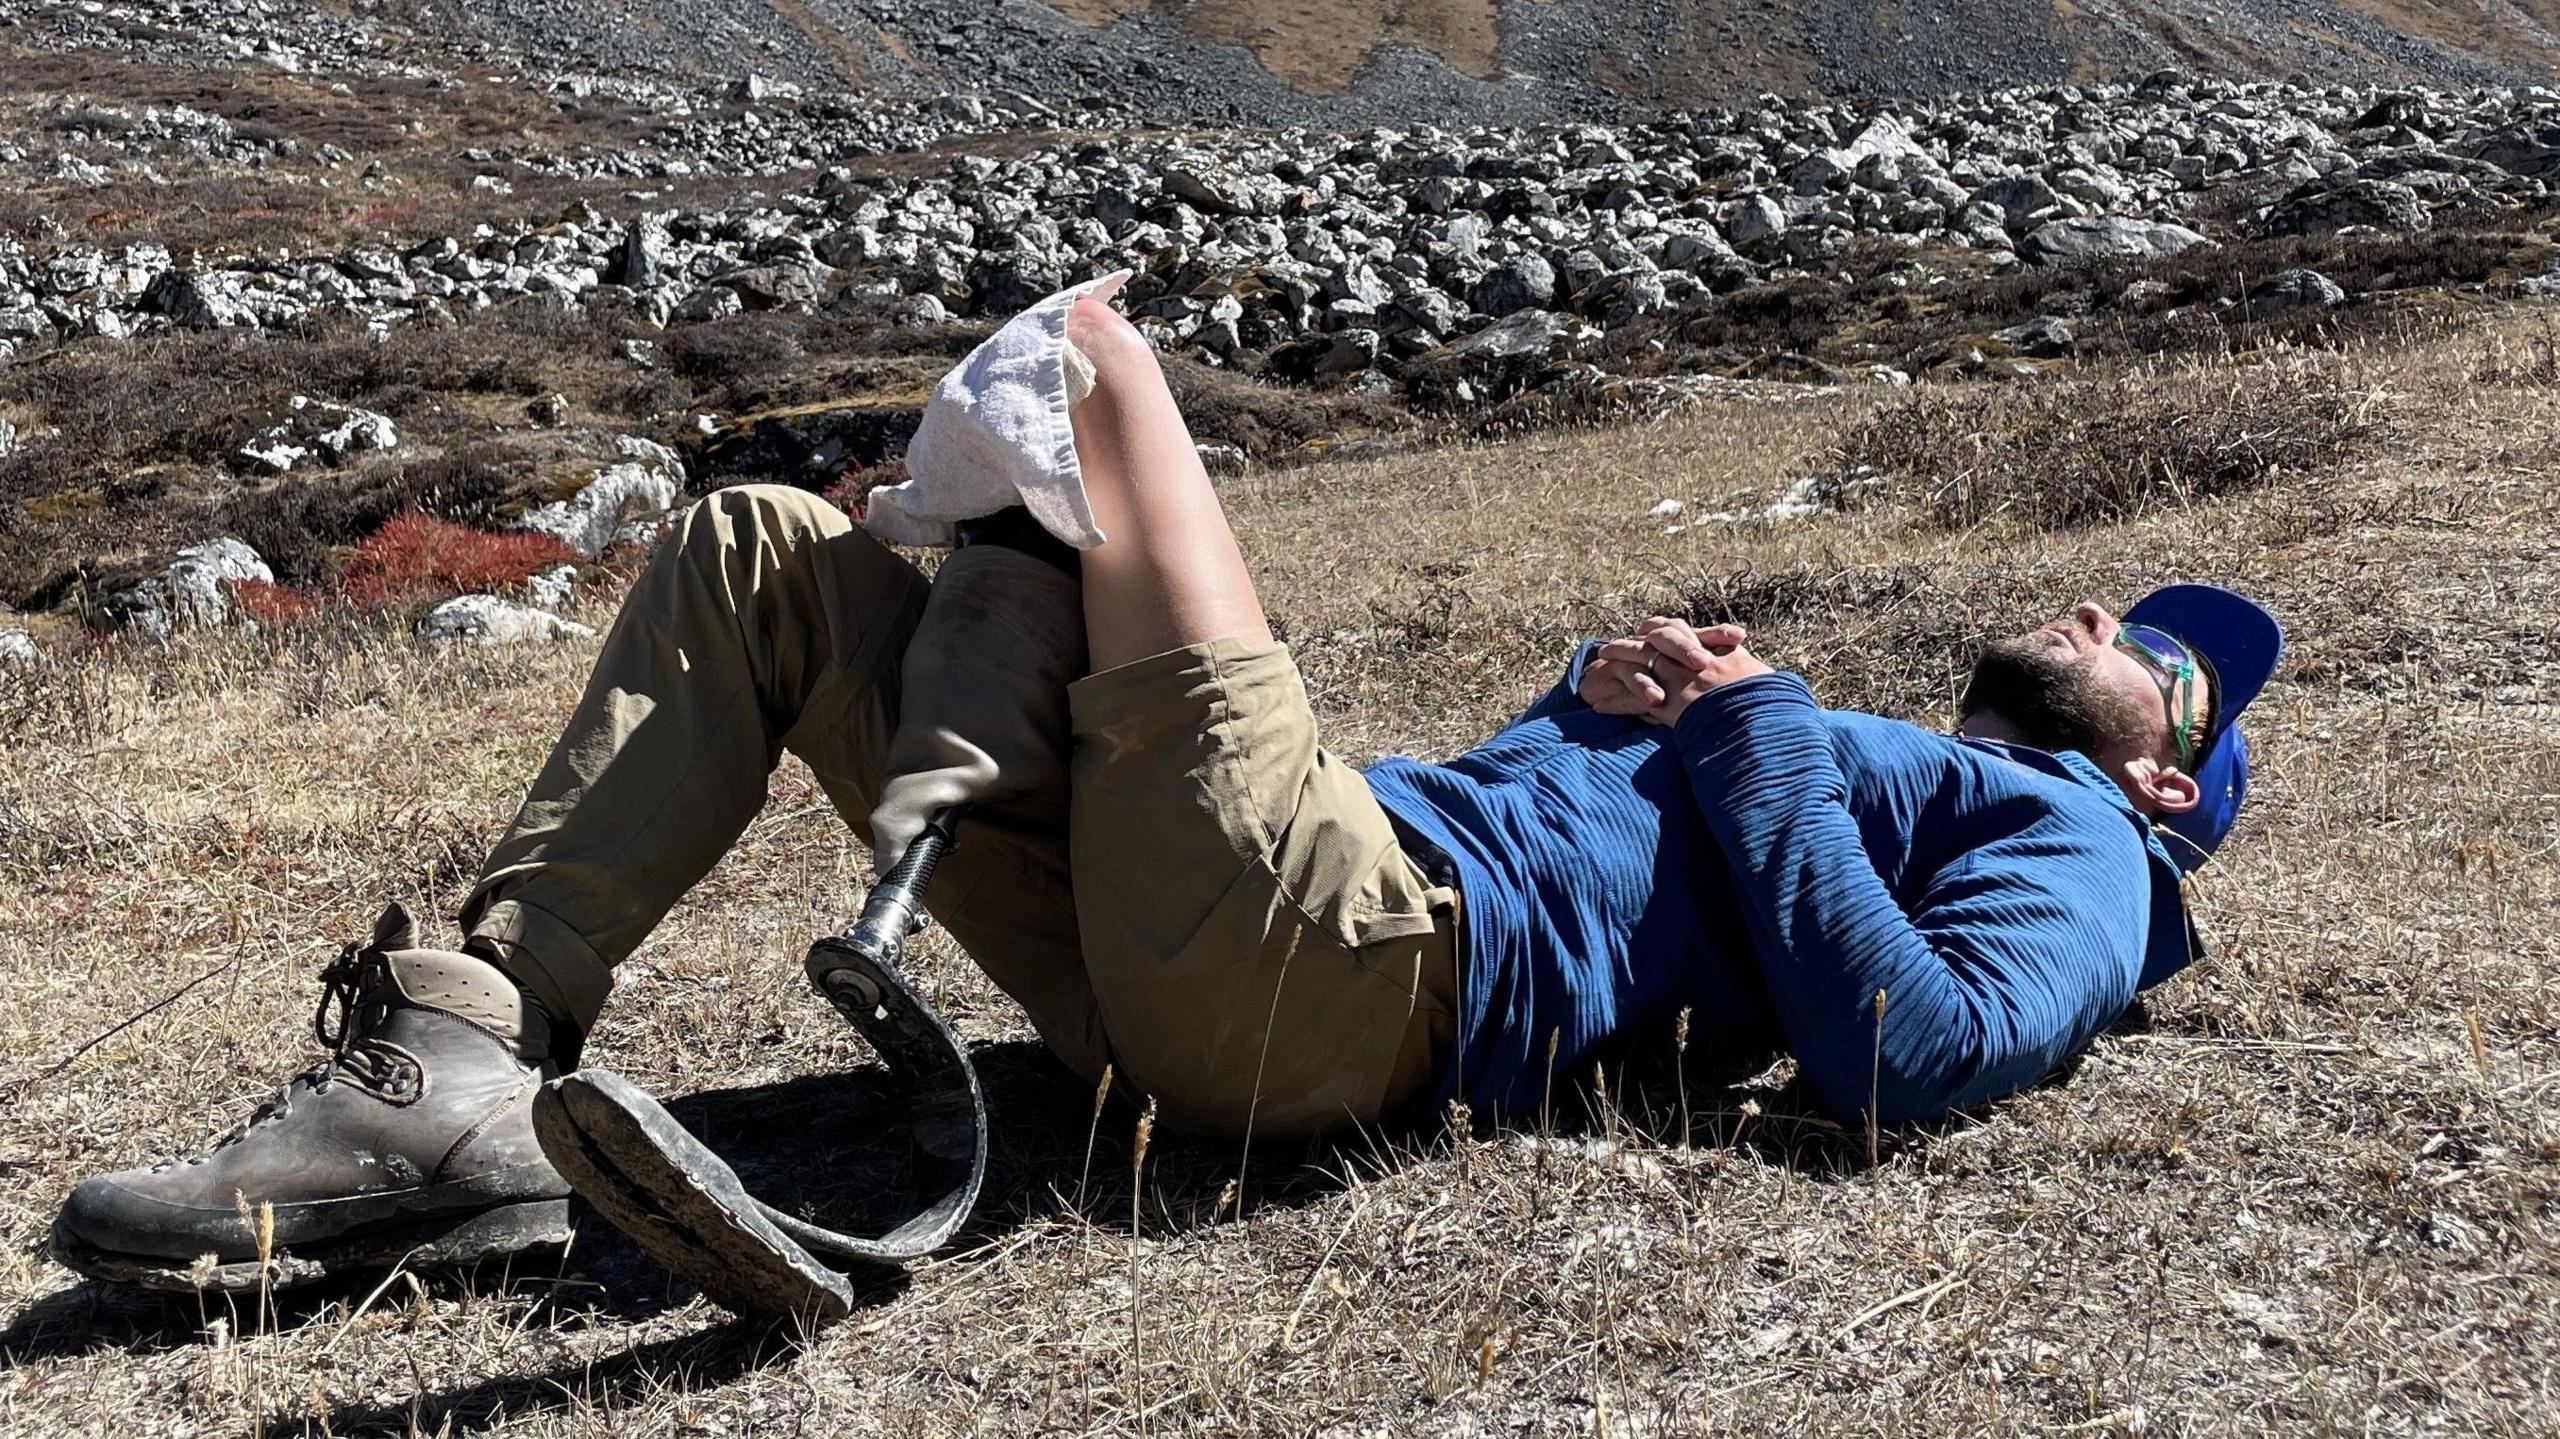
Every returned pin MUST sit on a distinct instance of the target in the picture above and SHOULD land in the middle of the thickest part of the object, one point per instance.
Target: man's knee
(746, 516)
(1120, 353)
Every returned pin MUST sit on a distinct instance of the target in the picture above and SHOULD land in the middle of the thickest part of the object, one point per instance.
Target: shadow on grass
(702, 1360)
(1657, 1096)
(831, 1148)
(91, 1316)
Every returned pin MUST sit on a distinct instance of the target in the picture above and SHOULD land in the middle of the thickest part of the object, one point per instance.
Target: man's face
(2066, 686)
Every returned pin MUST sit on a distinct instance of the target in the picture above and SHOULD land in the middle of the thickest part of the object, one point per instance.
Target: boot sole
(682, 1204)
(443, 1243)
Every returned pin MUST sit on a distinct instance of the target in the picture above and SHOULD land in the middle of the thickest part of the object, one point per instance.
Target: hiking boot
(413, 1141)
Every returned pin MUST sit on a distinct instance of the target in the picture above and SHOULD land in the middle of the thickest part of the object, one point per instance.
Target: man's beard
(2049, 696)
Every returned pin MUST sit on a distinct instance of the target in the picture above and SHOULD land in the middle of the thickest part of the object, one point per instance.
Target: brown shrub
(775, 358)
(1268, 422)
(111, 406)
(2054, 456)
(2529, 359)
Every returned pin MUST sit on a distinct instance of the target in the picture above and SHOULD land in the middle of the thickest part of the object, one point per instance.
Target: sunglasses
(2171, 664)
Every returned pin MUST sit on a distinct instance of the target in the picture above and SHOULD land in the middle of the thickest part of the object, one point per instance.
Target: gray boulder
(1351, 350)
(2105, 237)
(648, 478)
(641, 261)
(1704, 253)
(553, 587)
(332, 432)
(1343, 352)
(193, 590)
(1756, 220)
(711, 302)
(1625, 297)
(2376, 204)
(198, 579)
(2045, 337)
(783, 285)
(1014, 281)
(202, 300)
(2529, 150)
(1496, 360)
(1222, 191)
(2291, 290)
(1523, 282)
(2024, 201)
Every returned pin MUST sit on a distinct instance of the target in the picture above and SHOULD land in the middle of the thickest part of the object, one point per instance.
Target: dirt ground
(2308, 1188)
(1317, 46)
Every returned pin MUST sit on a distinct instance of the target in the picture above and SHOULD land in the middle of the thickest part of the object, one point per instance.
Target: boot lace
(355, 997)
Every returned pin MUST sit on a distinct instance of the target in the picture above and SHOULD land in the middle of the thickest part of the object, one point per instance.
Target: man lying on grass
(1175, 880)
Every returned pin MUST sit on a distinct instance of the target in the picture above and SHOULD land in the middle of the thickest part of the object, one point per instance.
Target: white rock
(489, 620)
(17, 647)
(334, 432)
(551, 588)
(650, 479)
(354, 432)
(1756, 219)
(196, 579)
(270, 453)
(1666, 509)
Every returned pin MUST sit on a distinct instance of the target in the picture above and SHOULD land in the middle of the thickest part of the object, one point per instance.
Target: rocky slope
(1368, 255)
(285, 275)
(1349, 62)
(1339, 63)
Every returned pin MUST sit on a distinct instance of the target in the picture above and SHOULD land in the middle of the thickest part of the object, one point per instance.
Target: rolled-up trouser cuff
(545, 957)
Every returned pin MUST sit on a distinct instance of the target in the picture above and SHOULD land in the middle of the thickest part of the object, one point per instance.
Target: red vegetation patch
(419, 557)
(851, 492)
(273, 604)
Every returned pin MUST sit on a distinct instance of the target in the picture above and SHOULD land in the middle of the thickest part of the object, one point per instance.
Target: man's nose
(2095, 618)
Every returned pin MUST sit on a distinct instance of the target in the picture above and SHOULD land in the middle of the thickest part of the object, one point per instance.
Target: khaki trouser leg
(767, 622)
(1265, 955)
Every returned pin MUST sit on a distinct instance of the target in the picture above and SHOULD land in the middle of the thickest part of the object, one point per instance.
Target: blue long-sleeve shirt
(1770, 865)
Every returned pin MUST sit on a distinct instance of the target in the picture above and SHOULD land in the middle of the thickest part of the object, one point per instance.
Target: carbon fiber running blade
(682, 1204)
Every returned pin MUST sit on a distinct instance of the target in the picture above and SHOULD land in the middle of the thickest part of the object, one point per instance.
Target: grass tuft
(2063, 456)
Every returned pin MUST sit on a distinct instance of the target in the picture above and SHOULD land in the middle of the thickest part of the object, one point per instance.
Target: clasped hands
(1654, 675)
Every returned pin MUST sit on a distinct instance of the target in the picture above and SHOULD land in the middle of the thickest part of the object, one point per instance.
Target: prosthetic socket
(982, 711)
(982, 717)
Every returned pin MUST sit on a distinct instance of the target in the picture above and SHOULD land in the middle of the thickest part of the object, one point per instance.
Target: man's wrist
(1704, 715)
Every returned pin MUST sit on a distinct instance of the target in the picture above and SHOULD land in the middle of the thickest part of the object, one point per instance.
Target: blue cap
(2242, 642)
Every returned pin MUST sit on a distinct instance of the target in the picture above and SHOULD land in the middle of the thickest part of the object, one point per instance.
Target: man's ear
(2164, 788)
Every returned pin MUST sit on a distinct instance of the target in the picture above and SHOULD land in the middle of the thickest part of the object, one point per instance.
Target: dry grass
(2058, 455)
(2310, 1189)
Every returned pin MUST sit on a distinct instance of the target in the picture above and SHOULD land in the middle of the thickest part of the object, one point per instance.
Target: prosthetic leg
(982, 721)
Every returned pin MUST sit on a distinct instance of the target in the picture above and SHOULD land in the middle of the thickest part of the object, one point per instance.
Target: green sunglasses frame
(2169, 669)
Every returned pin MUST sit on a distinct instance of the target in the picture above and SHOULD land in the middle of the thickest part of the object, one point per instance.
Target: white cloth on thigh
(996, 433)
